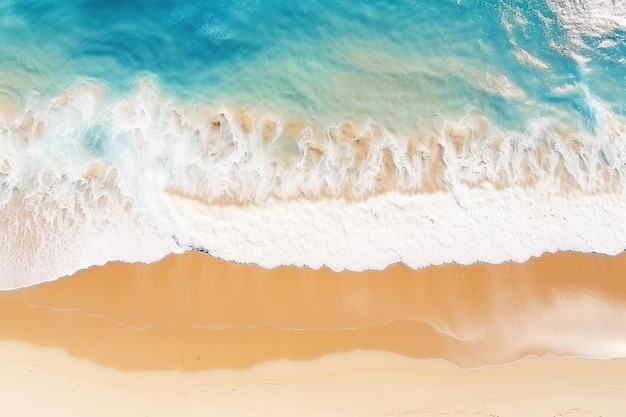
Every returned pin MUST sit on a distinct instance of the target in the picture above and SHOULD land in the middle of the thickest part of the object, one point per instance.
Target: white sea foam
(493, 83)
(463, 226)
(87, 178)
(590, 17)
(583, 19)
(524, 57)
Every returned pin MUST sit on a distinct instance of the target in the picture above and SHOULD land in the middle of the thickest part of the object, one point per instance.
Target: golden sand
(48, 382)
(193, 312)
(293, 341)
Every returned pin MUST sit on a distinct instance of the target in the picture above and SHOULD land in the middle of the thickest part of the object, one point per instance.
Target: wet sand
(193, 312)
(197, 314)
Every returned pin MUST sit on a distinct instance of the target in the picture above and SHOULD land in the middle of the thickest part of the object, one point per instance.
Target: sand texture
(193, 312)
(251, 341)
(45, 381)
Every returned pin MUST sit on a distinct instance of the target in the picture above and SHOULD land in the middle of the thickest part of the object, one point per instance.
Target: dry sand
(49, 382)
(293, 341)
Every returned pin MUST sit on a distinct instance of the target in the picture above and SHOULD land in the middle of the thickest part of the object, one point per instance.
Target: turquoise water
(397, 60)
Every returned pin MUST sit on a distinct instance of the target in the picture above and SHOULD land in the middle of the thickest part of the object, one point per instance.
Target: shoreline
(193, 312)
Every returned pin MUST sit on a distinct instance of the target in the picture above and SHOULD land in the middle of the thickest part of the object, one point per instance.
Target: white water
(88, 178)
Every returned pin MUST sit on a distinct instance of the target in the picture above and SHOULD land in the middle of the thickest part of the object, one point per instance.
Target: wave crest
(245, 156)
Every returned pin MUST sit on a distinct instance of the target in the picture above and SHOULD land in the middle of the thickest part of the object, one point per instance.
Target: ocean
(352, 135)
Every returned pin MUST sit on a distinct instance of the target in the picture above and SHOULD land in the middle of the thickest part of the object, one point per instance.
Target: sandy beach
(48, 381)
(313, 208)
(220, 337)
